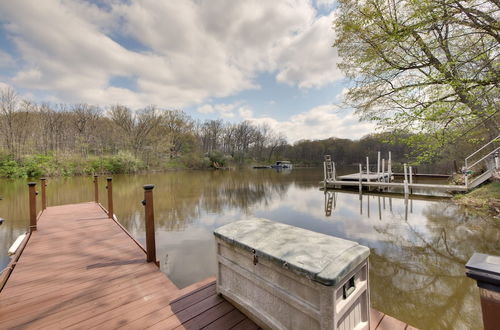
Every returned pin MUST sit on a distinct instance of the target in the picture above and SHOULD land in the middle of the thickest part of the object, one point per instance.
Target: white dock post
(383, 170)
(411, 179)
(368, 205)
(367, 169)
(389, 167)
(406, 207)
(379, 209)
(405, 180)
(360, 179)
(324, 175)
(378, 166)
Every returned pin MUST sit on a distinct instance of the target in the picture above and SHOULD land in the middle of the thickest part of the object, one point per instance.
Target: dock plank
(78, 266)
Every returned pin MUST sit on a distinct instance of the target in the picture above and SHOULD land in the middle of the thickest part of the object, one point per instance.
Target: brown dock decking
(81, 270)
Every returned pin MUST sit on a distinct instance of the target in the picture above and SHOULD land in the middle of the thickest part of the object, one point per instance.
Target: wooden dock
(81, 269)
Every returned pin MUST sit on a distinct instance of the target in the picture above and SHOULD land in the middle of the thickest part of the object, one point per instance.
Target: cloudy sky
(264, 61)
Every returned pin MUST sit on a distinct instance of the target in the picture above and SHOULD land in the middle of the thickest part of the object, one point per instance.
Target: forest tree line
(46, 139)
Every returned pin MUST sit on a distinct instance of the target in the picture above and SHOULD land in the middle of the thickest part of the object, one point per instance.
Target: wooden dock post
(43, 184)
(150, 222)
(32, 202)
(109, 186)
(96, 188)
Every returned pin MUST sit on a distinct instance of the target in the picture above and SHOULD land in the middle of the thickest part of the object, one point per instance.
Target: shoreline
(484, 200)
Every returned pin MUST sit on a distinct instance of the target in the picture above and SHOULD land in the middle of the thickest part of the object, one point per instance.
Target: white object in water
(16, 245)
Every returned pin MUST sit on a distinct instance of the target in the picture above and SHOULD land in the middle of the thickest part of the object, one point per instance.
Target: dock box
(284, 277)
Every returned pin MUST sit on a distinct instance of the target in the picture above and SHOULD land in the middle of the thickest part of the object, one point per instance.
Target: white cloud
(183, 52)
(222, 109)
(321, 122)
(310, 60)
(206, 108)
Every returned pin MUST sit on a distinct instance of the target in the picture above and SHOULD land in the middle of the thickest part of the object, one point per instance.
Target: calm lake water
(418, 249)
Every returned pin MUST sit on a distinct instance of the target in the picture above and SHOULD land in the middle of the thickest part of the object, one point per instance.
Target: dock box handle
(348, 288)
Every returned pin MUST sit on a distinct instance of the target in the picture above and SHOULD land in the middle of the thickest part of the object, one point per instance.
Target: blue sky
(269, 62)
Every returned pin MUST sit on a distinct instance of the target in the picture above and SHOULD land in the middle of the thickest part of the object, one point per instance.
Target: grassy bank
(485, 199)
(39, 165)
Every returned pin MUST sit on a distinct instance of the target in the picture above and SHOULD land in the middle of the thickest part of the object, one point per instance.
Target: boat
(282, 164)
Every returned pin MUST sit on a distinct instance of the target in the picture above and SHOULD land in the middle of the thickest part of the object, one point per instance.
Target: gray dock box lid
(322, 258)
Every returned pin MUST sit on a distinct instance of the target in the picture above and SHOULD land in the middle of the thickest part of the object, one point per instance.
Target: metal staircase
(488, 162)
(329, 168)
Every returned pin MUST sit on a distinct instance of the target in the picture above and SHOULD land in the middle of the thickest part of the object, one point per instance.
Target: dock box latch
(348, 288)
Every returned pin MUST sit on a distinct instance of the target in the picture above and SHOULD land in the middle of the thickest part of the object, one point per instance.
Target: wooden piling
(96, 188)
(32, 202)
(109, 186)
(43, 184)
(150, 222)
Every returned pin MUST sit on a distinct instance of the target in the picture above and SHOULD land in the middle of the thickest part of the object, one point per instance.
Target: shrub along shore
(70, 165)
(485, 199)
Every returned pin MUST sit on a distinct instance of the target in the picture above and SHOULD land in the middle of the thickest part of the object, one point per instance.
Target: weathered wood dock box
(284, 277)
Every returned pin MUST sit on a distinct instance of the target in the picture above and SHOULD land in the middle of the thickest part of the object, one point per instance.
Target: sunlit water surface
(418, 248)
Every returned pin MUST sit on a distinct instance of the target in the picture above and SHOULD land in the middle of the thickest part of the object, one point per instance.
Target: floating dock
(82, 269)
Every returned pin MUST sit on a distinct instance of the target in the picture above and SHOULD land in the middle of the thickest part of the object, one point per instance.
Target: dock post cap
(485, 269)
(148, 186)
(109, 178)
(95, 175)
(43, 179)
(31, 184)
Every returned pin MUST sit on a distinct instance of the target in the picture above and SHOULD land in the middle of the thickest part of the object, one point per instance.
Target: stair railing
(467, 167)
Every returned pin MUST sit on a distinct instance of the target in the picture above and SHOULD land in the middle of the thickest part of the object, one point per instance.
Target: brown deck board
(80, 270)
(226, 321)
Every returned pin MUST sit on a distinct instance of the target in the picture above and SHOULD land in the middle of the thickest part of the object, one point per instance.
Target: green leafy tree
(428, 67)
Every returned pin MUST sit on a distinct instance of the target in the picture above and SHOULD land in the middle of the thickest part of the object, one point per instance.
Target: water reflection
(419, 247)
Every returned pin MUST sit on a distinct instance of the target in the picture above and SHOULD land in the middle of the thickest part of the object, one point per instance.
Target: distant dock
(381, 178)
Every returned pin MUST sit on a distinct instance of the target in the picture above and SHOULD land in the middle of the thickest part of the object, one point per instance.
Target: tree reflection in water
(419, 249)
(426, 268)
